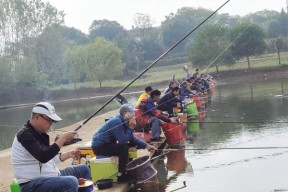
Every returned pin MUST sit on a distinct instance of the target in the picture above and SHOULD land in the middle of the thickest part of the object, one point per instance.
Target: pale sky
(81, 13)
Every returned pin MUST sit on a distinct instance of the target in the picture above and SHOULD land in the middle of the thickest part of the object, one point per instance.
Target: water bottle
(14, 187)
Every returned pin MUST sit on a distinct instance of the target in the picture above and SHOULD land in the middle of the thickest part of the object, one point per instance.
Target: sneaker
(155, 139)
(125, 179)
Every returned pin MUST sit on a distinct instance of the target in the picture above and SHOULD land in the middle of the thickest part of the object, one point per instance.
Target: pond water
(242, 116)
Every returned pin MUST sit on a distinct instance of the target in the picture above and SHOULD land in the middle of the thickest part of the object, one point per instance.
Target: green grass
(160, 74)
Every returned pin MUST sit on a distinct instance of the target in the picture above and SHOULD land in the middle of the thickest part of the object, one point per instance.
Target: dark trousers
(114, 149)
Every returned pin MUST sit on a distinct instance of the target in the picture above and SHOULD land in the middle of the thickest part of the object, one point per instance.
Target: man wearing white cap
(34, 159)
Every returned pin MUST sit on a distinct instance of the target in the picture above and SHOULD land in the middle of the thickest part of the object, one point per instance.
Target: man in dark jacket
(170, 100)
(34, 159)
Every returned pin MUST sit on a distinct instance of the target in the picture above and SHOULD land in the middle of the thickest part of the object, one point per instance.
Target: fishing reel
(74, 140)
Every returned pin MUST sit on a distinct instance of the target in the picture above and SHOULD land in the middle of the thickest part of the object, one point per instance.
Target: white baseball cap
(46, 109)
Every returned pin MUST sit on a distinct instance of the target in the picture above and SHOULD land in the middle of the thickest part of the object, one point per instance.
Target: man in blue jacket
(116, 136)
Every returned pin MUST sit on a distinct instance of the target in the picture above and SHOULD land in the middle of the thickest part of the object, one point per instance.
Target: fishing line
(221, 148)
(260, 122)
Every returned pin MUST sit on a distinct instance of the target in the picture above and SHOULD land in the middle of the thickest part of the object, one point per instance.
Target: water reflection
(168, 167)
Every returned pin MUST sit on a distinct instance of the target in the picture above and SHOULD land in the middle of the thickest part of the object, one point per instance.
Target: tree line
(38, 51)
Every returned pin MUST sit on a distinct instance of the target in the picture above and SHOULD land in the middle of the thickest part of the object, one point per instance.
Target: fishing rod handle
(77, 128)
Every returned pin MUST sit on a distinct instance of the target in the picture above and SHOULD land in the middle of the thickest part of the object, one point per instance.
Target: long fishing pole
(164, 54)
(221, 148)
(261, 122)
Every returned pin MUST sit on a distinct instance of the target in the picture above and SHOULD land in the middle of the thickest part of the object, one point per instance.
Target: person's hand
(132, 123)
(151, 148)
(75, 154)
(178, 104)
(173, 121)
(66, 137)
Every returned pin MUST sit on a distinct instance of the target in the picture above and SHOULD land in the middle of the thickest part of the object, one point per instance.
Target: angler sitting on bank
(170, 101)
(148, 113)
(144, 95)
(34, 158)
(116, 136)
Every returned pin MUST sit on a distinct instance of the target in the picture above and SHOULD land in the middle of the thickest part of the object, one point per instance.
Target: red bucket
(173, 133)
(197, 100)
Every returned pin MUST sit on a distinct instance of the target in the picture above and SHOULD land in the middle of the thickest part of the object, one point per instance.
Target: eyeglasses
(46, 118)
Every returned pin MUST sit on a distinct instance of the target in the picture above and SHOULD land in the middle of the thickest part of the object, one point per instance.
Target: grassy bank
(157, 75)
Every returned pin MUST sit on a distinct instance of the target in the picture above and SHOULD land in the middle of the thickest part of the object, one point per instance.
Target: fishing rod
(221, 148)
(164, 54)
(184, 185)
(260, 122)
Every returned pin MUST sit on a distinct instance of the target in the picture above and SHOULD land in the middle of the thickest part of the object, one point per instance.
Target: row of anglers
(34, 158)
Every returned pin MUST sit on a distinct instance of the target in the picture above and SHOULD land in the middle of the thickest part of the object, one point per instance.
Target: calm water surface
(241, 116)
(235, 170)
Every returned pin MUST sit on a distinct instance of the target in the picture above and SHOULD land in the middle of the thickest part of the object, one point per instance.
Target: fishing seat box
(84, 151)
(104, 168)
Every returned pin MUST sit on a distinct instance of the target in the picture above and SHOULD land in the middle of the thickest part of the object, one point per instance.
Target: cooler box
(104, 168)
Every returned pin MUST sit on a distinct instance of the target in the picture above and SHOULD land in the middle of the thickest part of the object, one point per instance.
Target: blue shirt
(116, 130)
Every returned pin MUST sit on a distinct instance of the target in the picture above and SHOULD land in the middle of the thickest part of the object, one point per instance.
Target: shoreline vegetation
(223, 77)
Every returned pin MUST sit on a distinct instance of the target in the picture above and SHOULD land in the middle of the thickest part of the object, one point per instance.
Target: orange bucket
(173, 133)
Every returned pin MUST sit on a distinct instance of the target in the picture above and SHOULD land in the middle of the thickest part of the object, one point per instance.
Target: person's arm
(74, 154)
(117, 130)
(139, 143)
(42, 153)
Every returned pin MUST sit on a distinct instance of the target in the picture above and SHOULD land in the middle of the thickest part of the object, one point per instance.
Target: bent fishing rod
(156, 61)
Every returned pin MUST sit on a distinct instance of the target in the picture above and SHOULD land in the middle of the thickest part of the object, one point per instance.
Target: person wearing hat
(144, 95)
(34, 159)
(112, 139)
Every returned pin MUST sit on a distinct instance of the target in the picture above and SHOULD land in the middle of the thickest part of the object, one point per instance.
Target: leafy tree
(73, 60)
(102, 60)
(283, 23)
(132, 52)
(262, 18)
(6, 76)
(210, 45)
(50, 47)
(248, 40)
(20, 19)
(74, 35)
(149, 38)
(177, 25)
(26, 73)
(106, 29)
(274, 30)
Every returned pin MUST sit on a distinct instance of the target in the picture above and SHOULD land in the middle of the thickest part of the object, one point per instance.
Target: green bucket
(191, 109)
(193, 126)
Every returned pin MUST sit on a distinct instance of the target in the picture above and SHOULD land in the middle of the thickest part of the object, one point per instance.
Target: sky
(81, 13)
